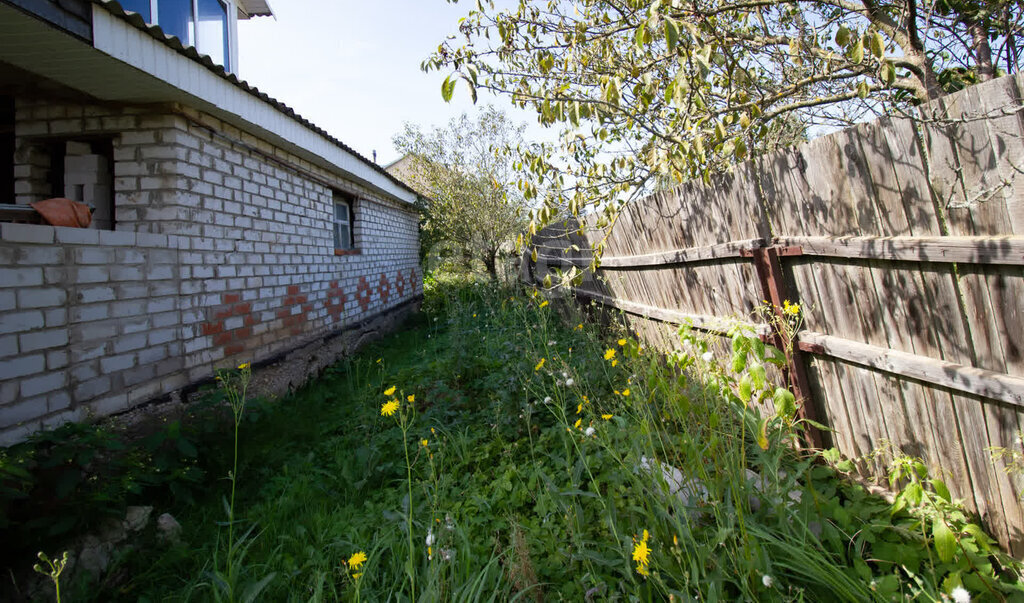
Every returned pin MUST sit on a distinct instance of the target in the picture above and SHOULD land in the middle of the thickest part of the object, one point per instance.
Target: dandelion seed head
(767, 581)
(570, 382)
(590, 431)
(707, 356)
(960, 595)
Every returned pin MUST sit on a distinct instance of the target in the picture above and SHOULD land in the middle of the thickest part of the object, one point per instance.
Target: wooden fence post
(769, 273)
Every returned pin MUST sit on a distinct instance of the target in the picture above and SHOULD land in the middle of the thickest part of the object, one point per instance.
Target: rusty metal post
(773, 285)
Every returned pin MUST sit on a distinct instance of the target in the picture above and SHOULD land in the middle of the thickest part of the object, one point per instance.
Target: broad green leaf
(877, 45)
(745, 388)
(785, 403)
(447, 88)
(945, 541)
(857, 52)
(843, 36)
(940, 488)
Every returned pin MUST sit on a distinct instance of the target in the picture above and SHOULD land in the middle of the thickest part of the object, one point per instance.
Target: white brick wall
(223, 254)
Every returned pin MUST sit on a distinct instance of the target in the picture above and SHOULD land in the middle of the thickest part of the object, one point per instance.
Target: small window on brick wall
(344, 220)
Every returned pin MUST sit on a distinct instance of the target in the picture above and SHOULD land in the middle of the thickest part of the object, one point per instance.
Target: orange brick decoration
(384, 288)
(363, 293)
(412, 279)
(231, 324)
(335, 302)
(400, 283)
(292, 320)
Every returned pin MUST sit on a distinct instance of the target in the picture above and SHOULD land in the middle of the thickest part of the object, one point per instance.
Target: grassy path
(545, 463)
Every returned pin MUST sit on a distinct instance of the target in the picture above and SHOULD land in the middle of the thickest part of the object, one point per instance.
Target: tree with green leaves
(465, 172)
(649, 92)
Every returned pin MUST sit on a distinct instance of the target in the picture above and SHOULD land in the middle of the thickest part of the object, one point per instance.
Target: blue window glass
(212, 31)
(175, 18)
(139, 6)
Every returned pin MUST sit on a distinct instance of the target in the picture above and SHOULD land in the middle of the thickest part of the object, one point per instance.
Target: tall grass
(548, 460)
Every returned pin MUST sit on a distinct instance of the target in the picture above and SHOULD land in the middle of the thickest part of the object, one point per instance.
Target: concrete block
(111, 364)
(8, 300)
(8, 345)
(127, 343)
(91, 274)
(58, 400)
(117, 237)
(42, 384)
(93, 255)
(20, 277)
(95, 294)
(17, 322)
(55, 317)
(109, 405)
(36, 256)
(21, 366)
(93, 331)
(77, 236)
(42, 340)
(27, 233)
(126, 273)
(56, 359)
(92, 388)
(90, 313)
(23, 411)
(41, 298)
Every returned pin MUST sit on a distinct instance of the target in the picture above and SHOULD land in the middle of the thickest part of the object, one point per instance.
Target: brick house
(226, 228)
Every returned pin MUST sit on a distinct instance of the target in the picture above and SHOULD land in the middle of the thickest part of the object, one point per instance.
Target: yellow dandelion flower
(379, 360)
(357, 576)
(411, 398)
(642, 570)
(424, 443)
(622, 342)
(389, 408)
(675, 540)
(579, 408)
(609, 354)
(578, 423)
(625, 392)
(432, 431)
(646, 536)
(389, 391)
(243, 366)
(539, 365)
(543, 303)
(356, 560)
(615, 362)
(586, 400)
(641, 554)
(607, 417)
(579, 327)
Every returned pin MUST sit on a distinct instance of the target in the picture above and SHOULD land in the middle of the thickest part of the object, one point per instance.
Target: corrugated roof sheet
(255, 8)
(173, 42)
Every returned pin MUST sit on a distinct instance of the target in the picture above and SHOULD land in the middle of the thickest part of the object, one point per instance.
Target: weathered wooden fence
(903, 241)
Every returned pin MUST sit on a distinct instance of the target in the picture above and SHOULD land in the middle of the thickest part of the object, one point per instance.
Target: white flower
(707, 356)
(960, 595)
(590, 431)
(547, 399)
(551, 343)
(570, 382)
(447, 554)
(565, 375)
(767, 581)
(430, 537)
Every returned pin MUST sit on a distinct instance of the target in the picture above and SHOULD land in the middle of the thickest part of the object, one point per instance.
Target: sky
(352, 67)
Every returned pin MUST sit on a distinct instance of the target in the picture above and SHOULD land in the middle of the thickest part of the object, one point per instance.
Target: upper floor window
(200, 23)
